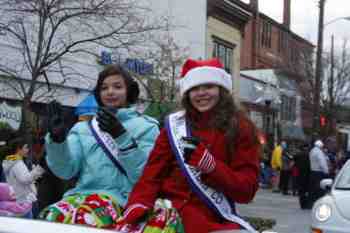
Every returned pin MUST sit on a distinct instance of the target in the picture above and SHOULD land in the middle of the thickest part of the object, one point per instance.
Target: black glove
(190, 145)
(57, 129)
(109, 123)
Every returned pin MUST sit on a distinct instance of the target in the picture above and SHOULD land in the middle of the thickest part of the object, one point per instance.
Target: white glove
(37, 172)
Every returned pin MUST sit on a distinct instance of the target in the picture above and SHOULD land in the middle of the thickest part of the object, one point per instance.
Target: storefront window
(224, 51)
(288, 108)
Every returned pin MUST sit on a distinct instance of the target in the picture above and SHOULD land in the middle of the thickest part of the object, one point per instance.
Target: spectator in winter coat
(319, 170)
(294, 175)
(106, 155)
(302, 162)
(287, 159)
(206, 157)
(18, 176)
(276, 165)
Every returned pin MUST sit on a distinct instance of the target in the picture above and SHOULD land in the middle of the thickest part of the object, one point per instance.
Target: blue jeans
(28, 215)
(265, 175)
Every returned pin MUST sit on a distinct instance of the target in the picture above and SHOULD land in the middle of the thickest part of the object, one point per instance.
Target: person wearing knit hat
(205, 159)
(318, 170)
(195, 73)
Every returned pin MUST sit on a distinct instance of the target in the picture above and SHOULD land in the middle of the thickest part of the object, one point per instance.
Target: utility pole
(331, 89)
(318, 71)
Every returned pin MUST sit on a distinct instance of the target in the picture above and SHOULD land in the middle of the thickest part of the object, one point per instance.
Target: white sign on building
(11, 115)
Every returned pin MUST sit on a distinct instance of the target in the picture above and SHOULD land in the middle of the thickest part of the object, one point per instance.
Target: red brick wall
(268, 58)
(247, 47)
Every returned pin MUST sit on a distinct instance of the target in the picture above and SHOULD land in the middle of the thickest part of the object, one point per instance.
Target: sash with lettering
(107, 143)
(176, 129)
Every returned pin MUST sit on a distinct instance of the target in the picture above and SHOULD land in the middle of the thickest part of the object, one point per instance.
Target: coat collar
(14, 157)
(201, 119)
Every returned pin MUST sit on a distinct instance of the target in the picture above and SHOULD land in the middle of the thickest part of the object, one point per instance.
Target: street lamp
(336, 19)
(318, 70)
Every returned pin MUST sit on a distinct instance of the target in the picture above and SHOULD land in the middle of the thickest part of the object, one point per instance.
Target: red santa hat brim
(205, 75)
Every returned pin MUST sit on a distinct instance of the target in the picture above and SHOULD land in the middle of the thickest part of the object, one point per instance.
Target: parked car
(331, 213)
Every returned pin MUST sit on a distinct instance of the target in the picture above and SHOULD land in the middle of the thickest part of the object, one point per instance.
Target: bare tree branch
(42, 38)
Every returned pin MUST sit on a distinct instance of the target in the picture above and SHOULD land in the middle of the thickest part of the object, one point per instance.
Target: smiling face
(23, 151)
(204, 97)
(113, 92)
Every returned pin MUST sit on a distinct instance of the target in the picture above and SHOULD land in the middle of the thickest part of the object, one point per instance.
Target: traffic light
(323, 121)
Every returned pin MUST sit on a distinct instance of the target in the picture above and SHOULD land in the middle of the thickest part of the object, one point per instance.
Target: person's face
(284, 145)
(113, 92)
(204, 97)
(24, 150)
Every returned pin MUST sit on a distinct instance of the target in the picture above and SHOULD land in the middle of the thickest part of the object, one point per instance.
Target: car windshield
(343, 181)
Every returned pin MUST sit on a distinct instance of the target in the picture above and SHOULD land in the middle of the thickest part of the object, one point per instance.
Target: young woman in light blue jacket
(106, 154)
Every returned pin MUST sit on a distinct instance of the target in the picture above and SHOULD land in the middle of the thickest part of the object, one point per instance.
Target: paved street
(284, 209)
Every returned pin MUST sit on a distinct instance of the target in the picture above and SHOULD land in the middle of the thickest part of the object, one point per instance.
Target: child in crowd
(18, 175)
(8, 205)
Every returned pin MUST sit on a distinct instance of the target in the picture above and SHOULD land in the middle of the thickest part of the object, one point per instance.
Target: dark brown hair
(132, 87)
(226, 117)
(14, 144)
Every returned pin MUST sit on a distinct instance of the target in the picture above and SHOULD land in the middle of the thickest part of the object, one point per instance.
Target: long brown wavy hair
(225, 118)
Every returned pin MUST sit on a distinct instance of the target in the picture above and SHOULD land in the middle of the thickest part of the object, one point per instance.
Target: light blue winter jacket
(81, 156)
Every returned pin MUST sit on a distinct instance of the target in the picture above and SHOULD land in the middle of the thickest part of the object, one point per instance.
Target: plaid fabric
(100, 211)
(163, 219)
(95, 210)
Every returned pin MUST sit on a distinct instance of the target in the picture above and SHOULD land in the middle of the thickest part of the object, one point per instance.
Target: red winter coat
(238, 180)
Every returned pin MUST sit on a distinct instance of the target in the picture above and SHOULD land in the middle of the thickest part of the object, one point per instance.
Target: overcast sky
(304, 20)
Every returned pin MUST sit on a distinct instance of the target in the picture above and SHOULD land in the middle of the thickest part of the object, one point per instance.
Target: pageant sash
(176, 128)
(107, 143)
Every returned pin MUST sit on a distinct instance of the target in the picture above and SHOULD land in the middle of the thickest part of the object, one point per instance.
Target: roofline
(240, 6)
(284, 28)
(246, 6)
(230, 9)
(257, 80)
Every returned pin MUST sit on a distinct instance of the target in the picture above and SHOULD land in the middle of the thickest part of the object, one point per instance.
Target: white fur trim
(205, 75)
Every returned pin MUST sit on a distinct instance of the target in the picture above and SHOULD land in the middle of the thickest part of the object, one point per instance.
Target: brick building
(268, 44)
(271, 47)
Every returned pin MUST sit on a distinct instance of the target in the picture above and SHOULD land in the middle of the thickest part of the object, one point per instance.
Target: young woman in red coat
(204, 160)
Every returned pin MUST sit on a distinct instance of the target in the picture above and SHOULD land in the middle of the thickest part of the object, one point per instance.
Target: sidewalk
(284, 209)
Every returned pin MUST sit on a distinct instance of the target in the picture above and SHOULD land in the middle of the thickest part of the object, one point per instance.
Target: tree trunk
(26, 127)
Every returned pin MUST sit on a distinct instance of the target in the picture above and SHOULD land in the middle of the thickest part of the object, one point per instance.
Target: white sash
(176, 129)
(106, 141)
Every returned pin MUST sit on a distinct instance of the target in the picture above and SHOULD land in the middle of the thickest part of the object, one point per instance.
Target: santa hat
(199, 72)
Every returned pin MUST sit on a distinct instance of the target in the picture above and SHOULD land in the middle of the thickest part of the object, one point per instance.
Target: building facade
(226, 21)
(208, 28)
(271, 47)
(268, 44)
